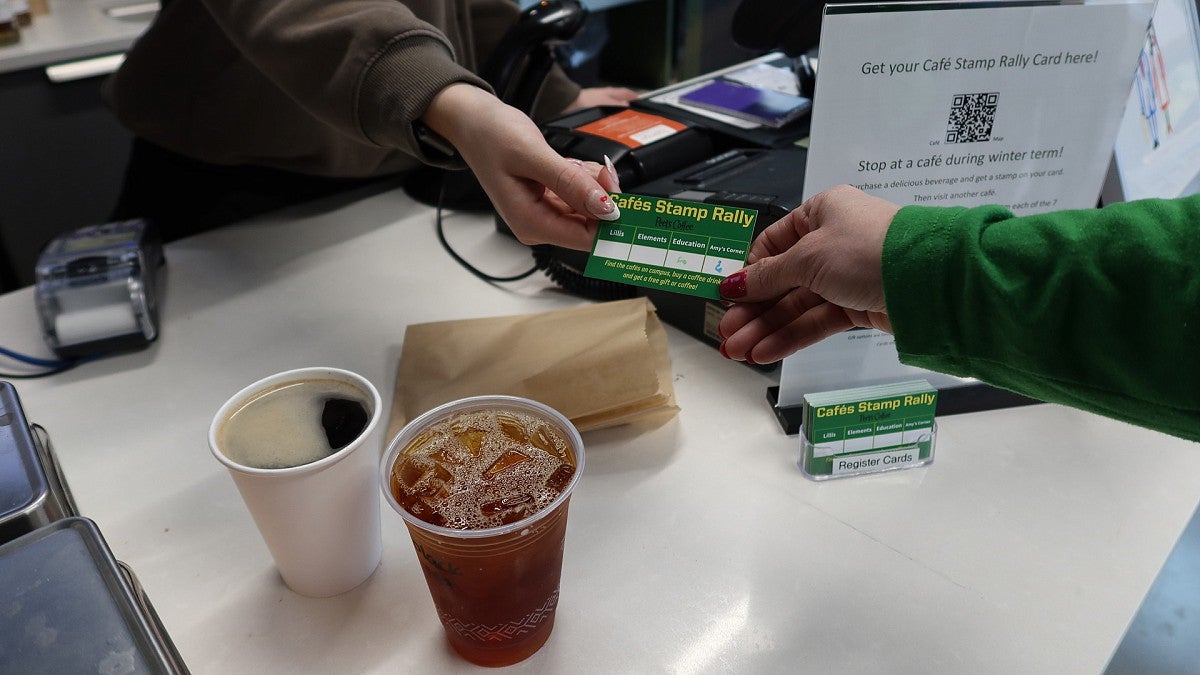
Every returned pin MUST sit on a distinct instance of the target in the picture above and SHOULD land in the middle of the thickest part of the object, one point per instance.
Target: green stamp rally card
(672, 245)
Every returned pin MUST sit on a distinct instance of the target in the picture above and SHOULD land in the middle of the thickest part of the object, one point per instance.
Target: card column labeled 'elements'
(650, 247)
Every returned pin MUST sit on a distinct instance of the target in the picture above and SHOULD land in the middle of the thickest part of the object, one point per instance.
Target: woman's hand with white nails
(543, 197)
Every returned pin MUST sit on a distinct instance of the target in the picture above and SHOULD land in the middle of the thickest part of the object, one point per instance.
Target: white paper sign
(968, 104)
(961, 104)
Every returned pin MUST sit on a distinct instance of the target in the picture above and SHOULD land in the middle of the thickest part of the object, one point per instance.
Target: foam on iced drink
(294, 423)
(482, 469)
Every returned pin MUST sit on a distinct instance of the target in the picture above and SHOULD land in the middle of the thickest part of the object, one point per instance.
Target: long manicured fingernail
(721, 349)
(613, 171)
(602, 206)
(733, 286)
(750, 360)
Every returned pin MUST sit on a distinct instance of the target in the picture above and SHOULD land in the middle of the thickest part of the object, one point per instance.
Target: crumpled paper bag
(600, 365)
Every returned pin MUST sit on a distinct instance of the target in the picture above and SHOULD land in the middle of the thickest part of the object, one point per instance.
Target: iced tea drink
(483, 485)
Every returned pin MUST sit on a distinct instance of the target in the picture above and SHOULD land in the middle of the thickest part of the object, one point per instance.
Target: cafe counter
(694, 544)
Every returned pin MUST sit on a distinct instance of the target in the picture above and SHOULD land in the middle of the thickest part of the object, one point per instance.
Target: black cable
(549, 259)
(53, 366)
(45, 373)
(33, 360)
(32, 376)
(441, 234)
(565, 269)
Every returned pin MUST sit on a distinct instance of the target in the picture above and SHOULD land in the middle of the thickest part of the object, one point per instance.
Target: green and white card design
(672, 245)
(868, 429)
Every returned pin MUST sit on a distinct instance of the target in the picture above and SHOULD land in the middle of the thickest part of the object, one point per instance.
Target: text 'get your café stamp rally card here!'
(672, 245)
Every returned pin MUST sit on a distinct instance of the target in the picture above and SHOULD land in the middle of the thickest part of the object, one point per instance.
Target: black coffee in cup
(295, 423)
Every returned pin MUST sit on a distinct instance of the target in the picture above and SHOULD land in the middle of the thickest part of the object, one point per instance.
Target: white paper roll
(95, 323)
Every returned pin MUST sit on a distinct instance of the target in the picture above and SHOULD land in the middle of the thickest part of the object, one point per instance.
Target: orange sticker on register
(633, 128)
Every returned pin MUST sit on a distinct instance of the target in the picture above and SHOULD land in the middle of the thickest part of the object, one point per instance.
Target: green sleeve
(1097, 309)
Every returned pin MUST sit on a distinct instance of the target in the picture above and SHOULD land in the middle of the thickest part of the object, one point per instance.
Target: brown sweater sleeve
(365, 67)
(328, 87)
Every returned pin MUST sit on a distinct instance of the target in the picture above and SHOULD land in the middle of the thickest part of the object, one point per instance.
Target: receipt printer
(97, 288)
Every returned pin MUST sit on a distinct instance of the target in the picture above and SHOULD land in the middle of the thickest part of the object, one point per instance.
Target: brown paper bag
(599, 365)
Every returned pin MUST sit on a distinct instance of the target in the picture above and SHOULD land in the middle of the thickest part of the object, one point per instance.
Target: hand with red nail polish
(733, 287)
(814, 273)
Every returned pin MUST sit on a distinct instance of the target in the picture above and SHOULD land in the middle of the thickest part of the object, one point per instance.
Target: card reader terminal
(642, 146)
(97, 288)
(770, 181)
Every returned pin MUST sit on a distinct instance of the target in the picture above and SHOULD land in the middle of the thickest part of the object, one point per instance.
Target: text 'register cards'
(672, 245)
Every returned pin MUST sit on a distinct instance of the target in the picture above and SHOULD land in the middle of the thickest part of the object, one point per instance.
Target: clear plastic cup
(495, 589)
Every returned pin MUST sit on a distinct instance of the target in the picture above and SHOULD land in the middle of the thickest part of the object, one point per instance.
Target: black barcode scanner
(523, 57)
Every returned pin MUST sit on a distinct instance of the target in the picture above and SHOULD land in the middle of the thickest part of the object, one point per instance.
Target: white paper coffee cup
(320, 520)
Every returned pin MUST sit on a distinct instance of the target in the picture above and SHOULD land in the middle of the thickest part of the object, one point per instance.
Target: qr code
(971, 118)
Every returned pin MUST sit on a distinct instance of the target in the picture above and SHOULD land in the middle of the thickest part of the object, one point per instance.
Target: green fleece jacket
(1097, 309)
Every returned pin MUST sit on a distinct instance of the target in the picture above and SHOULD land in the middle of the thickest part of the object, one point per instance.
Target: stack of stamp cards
(672, 245)
(849, 432)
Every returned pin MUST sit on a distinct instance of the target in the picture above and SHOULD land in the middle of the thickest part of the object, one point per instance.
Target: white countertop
(74, 29)
(694, 546)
